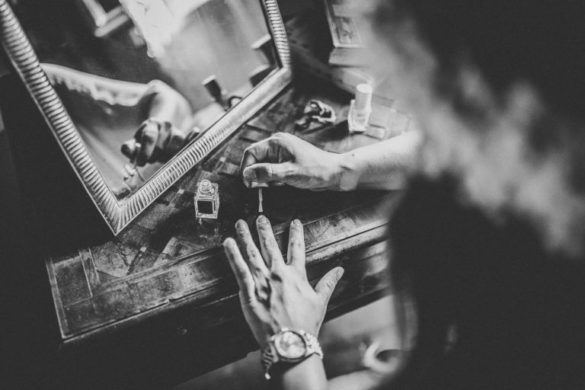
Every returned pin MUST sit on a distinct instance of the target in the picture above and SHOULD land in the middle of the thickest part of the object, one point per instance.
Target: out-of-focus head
(498, 88)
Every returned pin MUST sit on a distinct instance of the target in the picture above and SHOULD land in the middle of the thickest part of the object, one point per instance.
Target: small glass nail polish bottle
(360, 109)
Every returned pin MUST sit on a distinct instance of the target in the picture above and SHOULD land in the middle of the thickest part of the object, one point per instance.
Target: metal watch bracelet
(270, 355)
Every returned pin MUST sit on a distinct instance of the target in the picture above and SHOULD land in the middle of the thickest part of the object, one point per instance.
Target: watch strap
(269, 358)
(313, 346)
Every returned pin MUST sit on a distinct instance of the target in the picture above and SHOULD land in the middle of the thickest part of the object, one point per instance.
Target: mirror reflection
(142, 78)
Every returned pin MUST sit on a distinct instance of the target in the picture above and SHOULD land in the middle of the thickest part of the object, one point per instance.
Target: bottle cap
(205, 187)
(363, 97)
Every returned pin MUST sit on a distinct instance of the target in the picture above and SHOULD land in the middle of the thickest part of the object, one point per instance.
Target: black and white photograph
(292, 195)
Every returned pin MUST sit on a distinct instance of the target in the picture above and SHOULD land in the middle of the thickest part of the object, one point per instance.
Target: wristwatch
(289, 346)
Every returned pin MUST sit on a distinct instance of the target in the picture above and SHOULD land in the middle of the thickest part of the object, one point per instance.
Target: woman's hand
(275, 293)
(155, 141)
(286, 159)
(168, 128)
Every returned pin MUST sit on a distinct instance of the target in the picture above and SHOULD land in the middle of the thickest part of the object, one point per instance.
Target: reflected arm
(162, 116)
(156, 99)
(101, 89)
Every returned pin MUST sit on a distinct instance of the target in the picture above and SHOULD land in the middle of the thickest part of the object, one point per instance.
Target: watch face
(290, 345)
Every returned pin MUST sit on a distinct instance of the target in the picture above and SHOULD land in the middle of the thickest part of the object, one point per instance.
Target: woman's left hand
(275, 293)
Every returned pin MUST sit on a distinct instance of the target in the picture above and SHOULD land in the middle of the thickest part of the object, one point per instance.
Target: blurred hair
(509, 43)
(539, 42)
(495, 307)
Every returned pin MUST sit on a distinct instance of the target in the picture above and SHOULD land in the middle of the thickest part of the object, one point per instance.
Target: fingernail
(340, 273)
(296, 222)
(228, 242)
(262, 219)
(249, 175)
(240, 225)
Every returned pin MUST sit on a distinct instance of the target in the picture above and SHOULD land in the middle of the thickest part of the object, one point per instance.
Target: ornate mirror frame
(118, 213)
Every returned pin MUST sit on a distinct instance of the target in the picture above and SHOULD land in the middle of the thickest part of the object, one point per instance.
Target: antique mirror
(137, 92)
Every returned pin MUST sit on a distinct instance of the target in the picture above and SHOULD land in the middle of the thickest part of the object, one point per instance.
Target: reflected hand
(286, 159)
(275, 293)
(155, 141)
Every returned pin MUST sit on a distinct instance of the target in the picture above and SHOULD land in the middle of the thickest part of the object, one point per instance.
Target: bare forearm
(306, 375)
(380, 166)
(98, 88)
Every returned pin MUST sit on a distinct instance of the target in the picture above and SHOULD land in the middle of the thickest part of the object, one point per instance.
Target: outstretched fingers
(270, 250)
(240, 269)
(251, 253)
(296, 246)
(327, 284)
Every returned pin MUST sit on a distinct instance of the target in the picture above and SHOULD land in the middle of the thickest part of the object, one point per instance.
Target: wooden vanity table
(157, 304)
